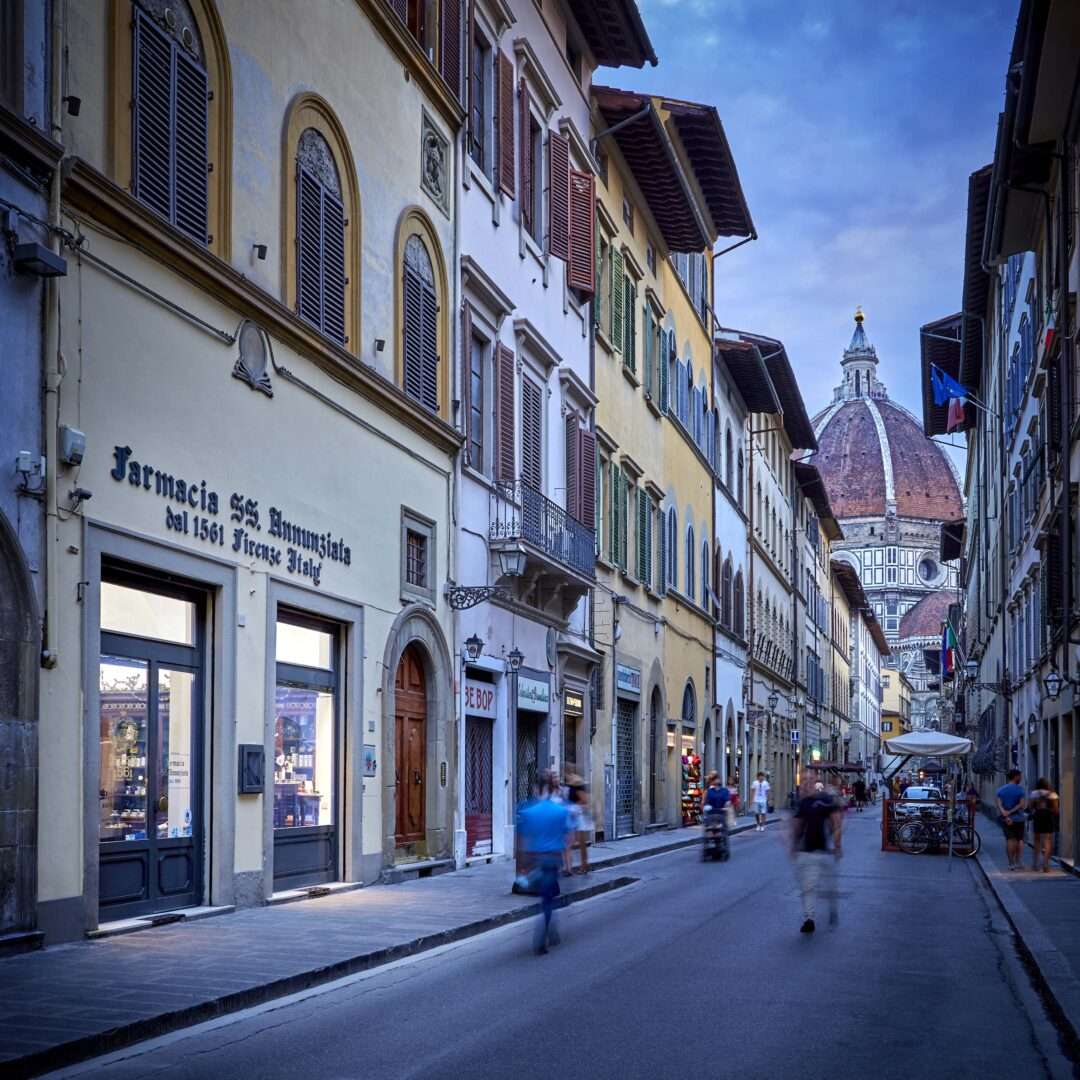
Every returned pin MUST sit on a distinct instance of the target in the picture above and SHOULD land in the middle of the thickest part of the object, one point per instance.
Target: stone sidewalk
(1044, 911)
(72, 1002)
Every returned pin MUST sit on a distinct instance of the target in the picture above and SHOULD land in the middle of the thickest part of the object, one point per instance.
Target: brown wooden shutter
(581, 269)
(532, 438)
(505, 81)
(470, 74)
(587, 464)
(525, 157)
(504, 414)
(465, 391)
(573, 467)
(559, 196)
(450, 44)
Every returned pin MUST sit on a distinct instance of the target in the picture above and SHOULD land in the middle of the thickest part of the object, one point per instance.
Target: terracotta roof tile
(926, 617)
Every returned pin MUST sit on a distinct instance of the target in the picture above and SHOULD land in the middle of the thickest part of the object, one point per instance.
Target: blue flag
(945, 386)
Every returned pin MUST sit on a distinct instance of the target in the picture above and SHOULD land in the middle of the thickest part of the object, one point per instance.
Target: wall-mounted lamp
(515, 658)
(774, 700)
(511, 561)
(260, 251)
(73, 103)
(380, 344)
(474, 646)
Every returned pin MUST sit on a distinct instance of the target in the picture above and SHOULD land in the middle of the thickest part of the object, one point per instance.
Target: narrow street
(698, 969)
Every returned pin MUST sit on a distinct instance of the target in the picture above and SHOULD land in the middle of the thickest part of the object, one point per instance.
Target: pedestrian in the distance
(815, 847)
(873, 792)
(759, 797)
(1011, 802)
(1045, 806)
(545, 827)
(580, 820)
(859, 788)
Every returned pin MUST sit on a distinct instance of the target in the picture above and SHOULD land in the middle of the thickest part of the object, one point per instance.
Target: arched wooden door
(410, 755)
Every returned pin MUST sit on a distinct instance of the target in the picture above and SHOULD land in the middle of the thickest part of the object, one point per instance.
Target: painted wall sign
(628, 679)
(300, 550)
(533, 694)
(480, 698)
(369, 759)
(573, 703)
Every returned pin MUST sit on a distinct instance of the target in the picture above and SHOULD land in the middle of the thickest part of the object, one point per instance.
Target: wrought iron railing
(520, 512)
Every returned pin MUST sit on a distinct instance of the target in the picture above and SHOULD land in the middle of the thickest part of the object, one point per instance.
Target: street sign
(794, 736)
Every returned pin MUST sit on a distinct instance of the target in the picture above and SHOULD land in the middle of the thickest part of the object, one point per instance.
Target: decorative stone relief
(253, 358)
(434, 164)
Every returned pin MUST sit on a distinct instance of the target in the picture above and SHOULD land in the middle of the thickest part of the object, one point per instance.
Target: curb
(1068, 1026)
(89, 1046)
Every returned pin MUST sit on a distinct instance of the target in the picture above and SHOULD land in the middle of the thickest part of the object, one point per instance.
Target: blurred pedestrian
(859, 789)
(580, 821)
(759, 798)
(873, 792)
(1011, 801)
(815, 847)
(1045, 806)
(544, 826)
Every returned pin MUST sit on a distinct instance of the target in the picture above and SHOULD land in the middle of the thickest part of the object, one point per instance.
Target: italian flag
(948, 650)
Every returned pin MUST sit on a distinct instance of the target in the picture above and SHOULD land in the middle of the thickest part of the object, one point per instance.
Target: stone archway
(19, 646)
(416, 650)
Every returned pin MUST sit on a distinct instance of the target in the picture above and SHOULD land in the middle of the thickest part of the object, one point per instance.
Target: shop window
(417, 557)
(132, 611)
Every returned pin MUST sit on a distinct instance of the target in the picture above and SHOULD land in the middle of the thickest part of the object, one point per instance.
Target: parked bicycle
(915, 837)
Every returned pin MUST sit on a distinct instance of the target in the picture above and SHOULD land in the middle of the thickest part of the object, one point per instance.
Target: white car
(916, 807)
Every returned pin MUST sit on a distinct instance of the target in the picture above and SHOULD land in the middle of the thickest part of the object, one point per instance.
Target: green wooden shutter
(647, 326)
(642, 560)
(617, 297)
(661, 562)
(613, 513)
(624, 518)
(662, 359)
(628, 323)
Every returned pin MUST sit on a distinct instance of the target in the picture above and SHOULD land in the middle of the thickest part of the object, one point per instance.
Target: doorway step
(415, 868)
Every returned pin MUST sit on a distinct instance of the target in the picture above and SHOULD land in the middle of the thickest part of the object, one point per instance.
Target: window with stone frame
(481, 98)
(418, 557)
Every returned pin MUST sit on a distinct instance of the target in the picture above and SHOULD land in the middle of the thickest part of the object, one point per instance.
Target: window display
(303, 757)
(124, 725)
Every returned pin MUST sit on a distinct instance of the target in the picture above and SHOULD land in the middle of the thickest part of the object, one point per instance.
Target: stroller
(716, 835)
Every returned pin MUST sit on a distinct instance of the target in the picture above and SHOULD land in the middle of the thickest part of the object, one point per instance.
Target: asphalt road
(696, 971)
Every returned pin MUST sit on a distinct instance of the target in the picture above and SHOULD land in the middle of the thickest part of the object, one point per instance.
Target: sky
(854, 125)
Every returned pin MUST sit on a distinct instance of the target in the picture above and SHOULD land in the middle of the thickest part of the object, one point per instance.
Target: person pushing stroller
(714, 806)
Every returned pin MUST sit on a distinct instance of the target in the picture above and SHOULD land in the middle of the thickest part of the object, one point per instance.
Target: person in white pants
(759, 799)
(816, 847)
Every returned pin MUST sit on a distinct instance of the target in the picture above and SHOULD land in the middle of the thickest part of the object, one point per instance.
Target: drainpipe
(50, 654)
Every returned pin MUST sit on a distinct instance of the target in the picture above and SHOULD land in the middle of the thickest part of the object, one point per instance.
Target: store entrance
(410, 719)
(654, 755)
(626, 722)
(527, 773)
(150, 708)
(305, 753)
(478, 770)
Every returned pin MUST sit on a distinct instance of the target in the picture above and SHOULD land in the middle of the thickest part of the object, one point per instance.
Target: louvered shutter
(581, 270)
(333, 267)
(648, 541)
(630, 324)
(624, 518)
(412, 333)
(504, 414)
(465, 386)
(661, 561)
(663, 360)
(152, 130)
(573, 467)
(613, 514)
(400, 8)
(308, 247)
(642, 526)
(1055, 577)
(618, 298)
(505, 83)
(192, 153)
(525, 157)
(1054, 411)
(559, 196)
(450, 45)
(588, 462)
(532, 435)
(647, 326)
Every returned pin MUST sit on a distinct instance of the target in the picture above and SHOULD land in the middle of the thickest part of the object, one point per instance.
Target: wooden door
(410, 716)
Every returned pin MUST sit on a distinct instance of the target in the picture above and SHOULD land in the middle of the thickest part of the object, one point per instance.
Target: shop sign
(197, 511)
(533, 694)
(480, 698)
(628, 679)
(573, 703)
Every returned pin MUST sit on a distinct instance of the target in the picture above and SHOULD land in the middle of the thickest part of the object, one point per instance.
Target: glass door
(305, 753)
(149, 688)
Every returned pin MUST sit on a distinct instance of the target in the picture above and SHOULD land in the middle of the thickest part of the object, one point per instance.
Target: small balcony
(560, 552)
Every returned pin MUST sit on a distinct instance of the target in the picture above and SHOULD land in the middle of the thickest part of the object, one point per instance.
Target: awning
(944, 354)
(953, 535)
(929, 744)
(808, 477)
(747, 370)
(796, 421)
(850, 583)
(614, 31)
(976, 279)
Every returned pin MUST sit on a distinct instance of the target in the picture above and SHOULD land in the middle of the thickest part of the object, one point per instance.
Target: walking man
(1011, 801)
(759, 796)
(815, 847)
(545, 831)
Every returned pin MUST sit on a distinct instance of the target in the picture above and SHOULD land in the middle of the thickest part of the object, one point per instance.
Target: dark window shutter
(308, 247)
(450, 45)
(504, 414)
(618, 299)
(192, 155)
(624, 518)
(1055, 576)
(412, 334)
(470, 72)
(613, 513)
(400, 8)
(505, 82)
(665, 389)
(642, 534)
(647, 326)
(333, 267)
(559, 196)
(573, 467)
(525, 134)
(1054, 410)
(587, 459)
(152, 125)
(582, 265)
(532, 419)
(430, 351)
(465, 387)
(661, 562)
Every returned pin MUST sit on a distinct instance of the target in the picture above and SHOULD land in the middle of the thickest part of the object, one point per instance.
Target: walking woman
(1044, 804)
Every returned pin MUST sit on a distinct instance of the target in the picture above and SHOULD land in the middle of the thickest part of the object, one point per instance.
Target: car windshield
(922, 793)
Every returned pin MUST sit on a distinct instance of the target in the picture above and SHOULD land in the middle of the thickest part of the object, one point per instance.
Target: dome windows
(929, 569)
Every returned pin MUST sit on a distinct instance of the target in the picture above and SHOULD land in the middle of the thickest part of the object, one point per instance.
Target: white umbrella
(929, 744)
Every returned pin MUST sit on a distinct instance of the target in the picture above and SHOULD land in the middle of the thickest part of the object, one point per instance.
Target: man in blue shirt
(544, 826)
(1011, 802)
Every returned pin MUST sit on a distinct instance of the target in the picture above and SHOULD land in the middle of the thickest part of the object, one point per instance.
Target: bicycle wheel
(966, 842)
(912, 838)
